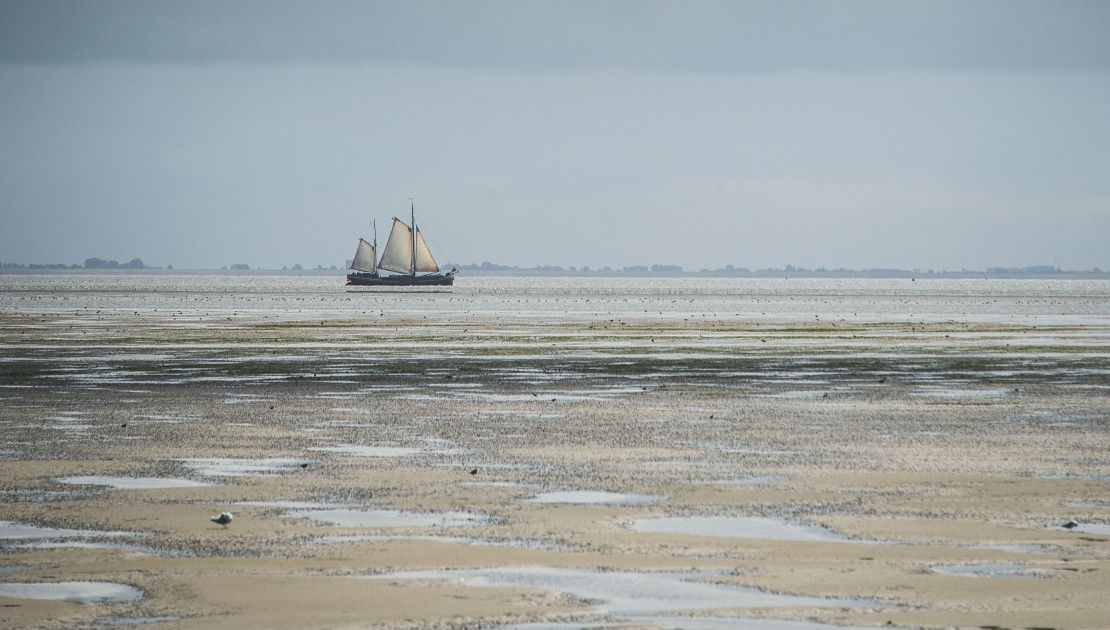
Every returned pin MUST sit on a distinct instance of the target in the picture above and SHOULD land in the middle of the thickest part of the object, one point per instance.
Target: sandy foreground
(397, 471)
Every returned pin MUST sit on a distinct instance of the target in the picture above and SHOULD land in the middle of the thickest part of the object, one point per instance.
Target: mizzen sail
(397, 255)
(364, 257)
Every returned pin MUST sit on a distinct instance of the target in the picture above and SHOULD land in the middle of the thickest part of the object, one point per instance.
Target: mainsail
(397, 255)
(364, 257)
(424, 260)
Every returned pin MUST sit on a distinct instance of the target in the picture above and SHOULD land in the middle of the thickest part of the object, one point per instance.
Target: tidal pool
(749, 480)
(10, 530)
(594, 497)
(132, 483)
(459, 540)
(694, 623)
(1093, 528)
(370, 451)
(993, 569)
(84, 592)
(735, 527)
(629, 594)
(231, 467)
(340, 515)
(134, 621)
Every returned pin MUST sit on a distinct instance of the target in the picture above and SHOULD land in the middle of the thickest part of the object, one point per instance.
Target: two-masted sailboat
(406, 254)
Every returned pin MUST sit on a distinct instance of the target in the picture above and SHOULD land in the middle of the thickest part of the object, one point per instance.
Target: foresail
(424, 260)
(397, 255)
(364, 257)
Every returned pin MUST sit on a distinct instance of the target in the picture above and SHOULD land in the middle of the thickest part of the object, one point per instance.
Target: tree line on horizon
(487, 267)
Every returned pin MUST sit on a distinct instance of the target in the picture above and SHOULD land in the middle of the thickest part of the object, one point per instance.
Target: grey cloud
(550, 36)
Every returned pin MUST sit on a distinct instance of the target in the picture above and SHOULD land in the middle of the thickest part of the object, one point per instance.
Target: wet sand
(916, 468)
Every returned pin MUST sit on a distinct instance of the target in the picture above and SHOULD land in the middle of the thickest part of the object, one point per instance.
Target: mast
(374, 223)
(412, 214)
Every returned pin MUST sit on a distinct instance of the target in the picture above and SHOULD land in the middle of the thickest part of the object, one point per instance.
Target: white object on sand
(223, 519)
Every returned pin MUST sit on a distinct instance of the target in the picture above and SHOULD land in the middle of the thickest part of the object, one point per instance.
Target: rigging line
(432, 244)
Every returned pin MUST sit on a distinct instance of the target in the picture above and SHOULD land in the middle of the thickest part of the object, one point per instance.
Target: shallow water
(695, 623)
(132, 483)
(134, 621)
(532, 344)
(751, 480)
(369, 451)
(194, 296)
(993, 569)
(459, 540)
(1093, 528)
(595, 497)
(500, 484)
(35, 495)
(628, 594)
(10, 530)
(84, 592)
(735, 527)
(392, 518)
(340, 515)
(231, 467)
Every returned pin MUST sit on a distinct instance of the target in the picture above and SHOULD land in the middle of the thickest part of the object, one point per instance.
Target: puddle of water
(83, 544)
(695, 623)
(132, 483)
(392, 518)
(460, 540)
(392, 451)
(770, 452)
(750, 480)
(587, 396)
(10, 530)
(623, 593)
(735, 527)
(1098, 503)
(34, 495)
(594, 497)
(370, 451)
(992, 569)
(1059, 475)
(134, 621)
(1020, 547)
(296, 505)
(738, 623)
(155, 419)
(231, 467)
(930, 391)
(340, 515)
(84, 592)
(1091, 528)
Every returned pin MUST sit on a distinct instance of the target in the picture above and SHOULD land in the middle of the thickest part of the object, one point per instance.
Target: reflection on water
(735, 527)
(84, 592)
(853, 299)
(131, 483)
(595, 497)
(629, 594)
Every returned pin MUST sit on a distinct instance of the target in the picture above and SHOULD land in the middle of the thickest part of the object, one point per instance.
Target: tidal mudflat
(554, 453)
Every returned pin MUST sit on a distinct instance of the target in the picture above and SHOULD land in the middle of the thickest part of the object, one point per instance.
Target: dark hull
(374, 280)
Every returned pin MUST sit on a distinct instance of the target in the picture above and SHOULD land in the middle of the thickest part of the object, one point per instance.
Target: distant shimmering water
(1025, 301)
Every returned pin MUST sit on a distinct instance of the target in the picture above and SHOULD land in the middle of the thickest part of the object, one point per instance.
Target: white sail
(397, 255)
(365, 259)
(424, 260)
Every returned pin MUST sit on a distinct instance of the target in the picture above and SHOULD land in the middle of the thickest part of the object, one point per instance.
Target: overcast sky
(861, 134)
